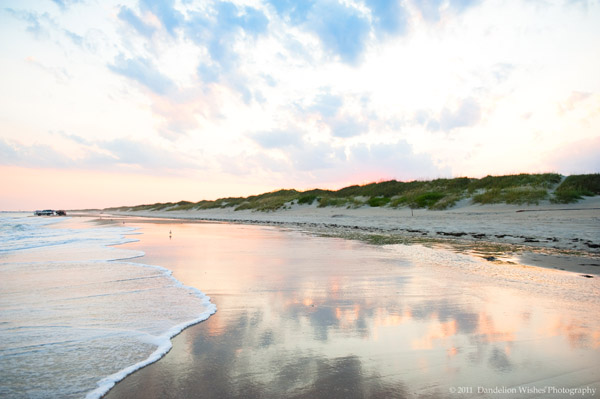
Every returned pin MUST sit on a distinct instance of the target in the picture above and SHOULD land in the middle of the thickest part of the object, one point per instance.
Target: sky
(111, 102)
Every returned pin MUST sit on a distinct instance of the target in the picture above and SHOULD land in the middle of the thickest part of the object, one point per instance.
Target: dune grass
(378, 201)
(326, 201)
(433, 194)
(513, 189)
(268, 201)
(517, 196)
(575, 187)
(543, 180)
(307, 199)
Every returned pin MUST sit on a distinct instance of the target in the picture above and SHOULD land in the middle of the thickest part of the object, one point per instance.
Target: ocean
(76, 314)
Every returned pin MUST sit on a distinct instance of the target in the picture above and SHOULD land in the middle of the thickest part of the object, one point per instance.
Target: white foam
(164, 347)
(22, 233)
(72, 312)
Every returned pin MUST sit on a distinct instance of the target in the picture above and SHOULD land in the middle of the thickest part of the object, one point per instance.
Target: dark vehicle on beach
(46, 212)
(50, 212)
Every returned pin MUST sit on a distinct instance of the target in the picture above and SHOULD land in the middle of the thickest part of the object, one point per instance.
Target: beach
(310, 303)
(307, 309)
(531, 234)
(299, 199)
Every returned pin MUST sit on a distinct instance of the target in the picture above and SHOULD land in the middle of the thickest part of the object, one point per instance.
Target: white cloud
(278, 85)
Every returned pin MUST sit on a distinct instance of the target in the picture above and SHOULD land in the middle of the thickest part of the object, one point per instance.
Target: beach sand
(560, 236)
(305, 316)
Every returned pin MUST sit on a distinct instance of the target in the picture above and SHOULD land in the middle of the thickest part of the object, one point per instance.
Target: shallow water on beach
(74, 315)
(313, 317)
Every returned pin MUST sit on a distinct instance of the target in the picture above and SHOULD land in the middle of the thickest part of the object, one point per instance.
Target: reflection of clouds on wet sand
(576, 331)
(312, 317)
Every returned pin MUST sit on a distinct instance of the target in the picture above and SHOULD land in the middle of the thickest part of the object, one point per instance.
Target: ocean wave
(74, 310)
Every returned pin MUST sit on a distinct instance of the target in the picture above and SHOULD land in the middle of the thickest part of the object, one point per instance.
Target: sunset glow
(128, 102)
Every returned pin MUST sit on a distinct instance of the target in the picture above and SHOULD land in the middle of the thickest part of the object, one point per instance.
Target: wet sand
(572, 228)
(315, 317)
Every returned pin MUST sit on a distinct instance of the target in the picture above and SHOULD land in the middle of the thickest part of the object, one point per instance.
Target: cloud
(127, 15)
(249, 19)
(221, 28)
(98, 155)
(316, 156)
(64, 4)
(37, 155)
(323, 162)
(277, 138)
(295, 12)
(389, 16)
(44, 26)
(181, 112)
(348, 127)
(501, 71)
(209, 73)
(574, 99)
(147, 156)
(342, 30)
(461, 5)
(432, 10)
(34, 21)
(327, 105)
(60, 74)
(362, 161)
(73, 137)
(297, 158)
(74, 37)
(166, 13)
(144, 72)
(396, 160)
(330, 111)
(467, 113)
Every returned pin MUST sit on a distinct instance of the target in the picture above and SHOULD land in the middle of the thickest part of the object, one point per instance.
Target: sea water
(76, 315)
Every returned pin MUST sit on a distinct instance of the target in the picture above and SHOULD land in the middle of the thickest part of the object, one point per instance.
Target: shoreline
(561, 238)
(74, 296)
(293, 306)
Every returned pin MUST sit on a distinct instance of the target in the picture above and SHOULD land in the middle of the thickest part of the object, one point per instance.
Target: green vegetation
(517, 196)
(378, 201)
(220, 203)
(433, 194)
(182, 206)
(575, 187)
(329, 201)
(268, 201)
(513, 189)
(544, 180)
(151, 207)
(428, 199)
(307, 199)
